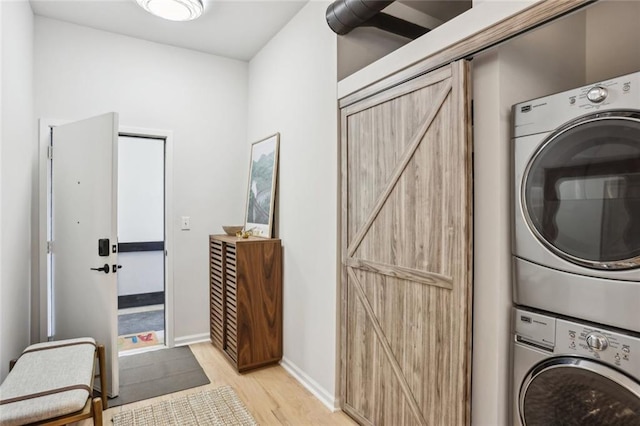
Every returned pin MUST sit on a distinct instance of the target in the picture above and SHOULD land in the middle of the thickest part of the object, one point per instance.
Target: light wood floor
(272, 396)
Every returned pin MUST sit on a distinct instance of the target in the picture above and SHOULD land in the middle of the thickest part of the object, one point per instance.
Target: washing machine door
(581, 191)
(568, 391)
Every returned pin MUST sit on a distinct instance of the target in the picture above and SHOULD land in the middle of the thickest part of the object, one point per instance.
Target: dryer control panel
(550, 112)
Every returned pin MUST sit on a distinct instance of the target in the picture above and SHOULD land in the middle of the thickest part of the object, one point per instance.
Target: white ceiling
(443, 10)
(232, 28)
(235, 29)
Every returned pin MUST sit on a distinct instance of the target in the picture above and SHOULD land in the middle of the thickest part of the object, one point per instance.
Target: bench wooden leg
(96, 407)
(103, 377)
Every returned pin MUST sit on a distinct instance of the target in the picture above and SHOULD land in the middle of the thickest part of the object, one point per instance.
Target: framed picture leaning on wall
(263, 171)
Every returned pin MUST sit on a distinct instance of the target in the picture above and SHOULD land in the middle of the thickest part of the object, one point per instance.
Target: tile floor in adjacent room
(140, 320)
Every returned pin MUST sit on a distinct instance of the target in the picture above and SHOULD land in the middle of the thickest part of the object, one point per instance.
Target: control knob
(597, 342)
(597, 94)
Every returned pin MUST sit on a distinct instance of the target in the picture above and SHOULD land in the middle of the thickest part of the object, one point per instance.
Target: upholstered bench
(52, 383)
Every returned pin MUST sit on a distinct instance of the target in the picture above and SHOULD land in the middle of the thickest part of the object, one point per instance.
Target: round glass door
(581, 191)
(567, 391)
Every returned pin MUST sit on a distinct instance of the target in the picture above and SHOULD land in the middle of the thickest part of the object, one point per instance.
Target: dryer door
(581, 191)
(575, 391)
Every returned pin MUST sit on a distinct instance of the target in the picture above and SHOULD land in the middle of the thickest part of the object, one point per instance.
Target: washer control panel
(621, 350)
(536, 329)
(560, 337)
(597, 342)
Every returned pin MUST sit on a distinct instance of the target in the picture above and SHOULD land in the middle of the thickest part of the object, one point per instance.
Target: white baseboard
(189, 340)
(311, 385)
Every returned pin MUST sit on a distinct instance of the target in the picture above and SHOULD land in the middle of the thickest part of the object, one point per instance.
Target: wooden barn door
(406, 253)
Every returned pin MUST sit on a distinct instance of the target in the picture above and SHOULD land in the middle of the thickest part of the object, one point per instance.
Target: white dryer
(576, 175)
(573, 374)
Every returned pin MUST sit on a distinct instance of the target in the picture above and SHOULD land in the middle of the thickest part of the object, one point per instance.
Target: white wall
(363, 46)
(82, 72)
(17, 165)
(292, 90)
(613, 35)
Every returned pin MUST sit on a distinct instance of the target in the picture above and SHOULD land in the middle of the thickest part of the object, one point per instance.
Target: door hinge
(49, 247)
(50, 152)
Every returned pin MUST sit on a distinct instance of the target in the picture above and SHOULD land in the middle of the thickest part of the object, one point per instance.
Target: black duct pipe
(345, 15)
(396, 25)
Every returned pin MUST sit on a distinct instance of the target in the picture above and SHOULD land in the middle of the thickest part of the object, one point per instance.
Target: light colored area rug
(210, 407)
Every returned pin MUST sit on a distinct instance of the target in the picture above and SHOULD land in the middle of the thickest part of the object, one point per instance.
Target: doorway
(141, 240)
(45, 261)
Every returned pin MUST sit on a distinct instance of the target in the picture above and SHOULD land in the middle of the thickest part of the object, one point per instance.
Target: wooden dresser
(246, 299)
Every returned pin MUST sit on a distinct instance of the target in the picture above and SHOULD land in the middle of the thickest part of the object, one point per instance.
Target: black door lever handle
(104, 269)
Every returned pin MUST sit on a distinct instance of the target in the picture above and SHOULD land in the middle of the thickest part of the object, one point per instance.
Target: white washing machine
(576, 175)
(567, 373)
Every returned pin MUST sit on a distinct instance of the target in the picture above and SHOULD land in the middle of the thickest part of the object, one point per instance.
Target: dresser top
(237, 240)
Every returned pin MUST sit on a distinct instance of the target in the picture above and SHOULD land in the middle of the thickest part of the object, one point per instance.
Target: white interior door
(84, 210)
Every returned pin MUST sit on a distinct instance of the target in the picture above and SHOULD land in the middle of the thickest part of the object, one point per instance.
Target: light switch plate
(185, 223)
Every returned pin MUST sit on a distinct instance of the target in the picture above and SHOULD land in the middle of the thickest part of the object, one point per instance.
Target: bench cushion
(45, 367)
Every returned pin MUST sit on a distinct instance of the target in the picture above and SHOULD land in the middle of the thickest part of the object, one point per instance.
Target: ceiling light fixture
(173, 10)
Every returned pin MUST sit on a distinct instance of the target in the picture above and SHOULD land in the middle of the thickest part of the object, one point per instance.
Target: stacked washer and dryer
(576, 256)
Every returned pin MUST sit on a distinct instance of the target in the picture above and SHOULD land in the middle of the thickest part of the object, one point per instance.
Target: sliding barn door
(406, 253)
